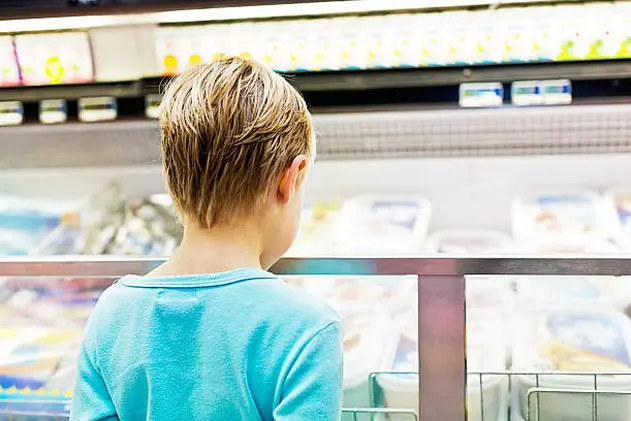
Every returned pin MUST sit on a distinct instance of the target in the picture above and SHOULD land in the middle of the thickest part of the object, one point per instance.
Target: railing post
(441, 346)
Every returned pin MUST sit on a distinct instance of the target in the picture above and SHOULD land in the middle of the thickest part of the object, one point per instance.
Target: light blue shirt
(233, 346)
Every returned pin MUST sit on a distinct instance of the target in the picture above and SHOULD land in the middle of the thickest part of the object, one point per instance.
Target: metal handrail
(509, 265)
(441, 300)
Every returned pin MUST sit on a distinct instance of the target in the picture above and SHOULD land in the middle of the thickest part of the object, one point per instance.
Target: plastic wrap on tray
(141, 227)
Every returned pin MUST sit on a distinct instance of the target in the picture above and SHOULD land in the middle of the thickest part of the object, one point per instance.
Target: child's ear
(291, 177)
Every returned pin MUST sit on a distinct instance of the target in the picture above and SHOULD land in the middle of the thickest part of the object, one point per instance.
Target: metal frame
(441, 301)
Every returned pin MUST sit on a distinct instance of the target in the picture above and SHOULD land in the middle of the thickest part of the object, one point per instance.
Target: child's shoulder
(304, 302)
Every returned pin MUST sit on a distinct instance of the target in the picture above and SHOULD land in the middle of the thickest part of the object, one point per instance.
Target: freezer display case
(446, 192)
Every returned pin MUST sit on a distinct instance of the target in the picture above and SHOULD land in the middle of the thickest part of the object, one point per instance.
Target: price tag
(556, 92)
(11, 113)
(53, 111)
(9, 74)
(152, 106)
(526, 93)
(97, 109)
(476, 95)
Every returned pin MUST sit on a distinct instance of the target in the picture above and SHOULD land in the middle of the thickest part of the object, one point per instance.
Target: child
(210, 334)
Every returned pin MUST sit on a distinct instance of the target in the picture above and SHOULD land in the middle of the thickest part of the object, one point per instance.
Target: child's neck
(214, 250)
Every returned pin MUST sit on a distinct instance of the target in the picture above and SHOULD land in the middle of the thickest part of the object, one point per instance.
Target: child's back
(210, 335)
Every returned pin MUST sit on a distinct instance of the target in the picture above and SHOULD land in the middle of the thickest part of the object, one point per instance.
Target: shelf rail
(441, 300)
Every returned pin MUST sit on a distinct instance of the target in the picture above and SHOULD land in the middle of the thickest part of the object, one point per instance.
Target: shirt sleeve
(91, 400)
(312, 389)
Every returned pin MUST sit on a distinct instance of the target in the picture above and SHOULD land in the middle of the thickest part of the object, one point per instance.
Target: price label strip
(545, 92)
(97, 109)
(556, 92)
(53, 111)
(481, 95)
(11, 113)
(152, 106)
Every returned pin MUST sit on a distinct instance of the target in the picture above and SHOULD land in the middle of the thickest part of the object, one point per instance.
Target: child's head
(236, 142)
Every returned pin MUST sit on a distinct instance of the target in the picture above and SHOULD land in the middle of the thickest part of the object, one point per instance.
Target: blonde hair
(228, 130)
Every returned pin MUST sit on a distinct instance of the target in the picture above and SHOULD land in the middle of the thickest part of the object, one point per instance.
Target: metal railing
(441, 302)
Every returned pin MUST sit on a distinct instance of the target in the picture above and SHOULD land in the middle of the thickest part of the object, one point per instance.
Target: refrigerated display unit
(402, 171)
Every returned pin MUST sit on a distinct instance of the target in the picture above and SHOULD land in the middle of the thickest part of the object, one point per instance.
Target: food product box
(568, 215)
(54, 58)
(378, 224)
(9, 73)
(365, 332)
(563, 346)
(487, 395)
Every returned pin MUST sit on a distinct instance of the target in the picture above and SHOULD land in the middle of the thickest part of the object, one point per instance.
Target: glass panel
(41, 327)
(549, 348)
(380, 341)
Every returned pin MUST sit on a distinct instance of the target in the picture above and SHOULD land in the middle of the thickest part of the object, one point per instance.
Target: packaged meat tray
(571, 215)
(365, 331)
(394, 224)
(487, 398)
(563, 345)
(469, 242)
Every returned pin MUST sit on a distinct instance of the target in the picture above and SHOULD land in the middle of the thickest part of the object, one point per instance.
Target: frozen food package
(469, 241)
(566, 245)
(54, 58)
(9, 73)
(30, 357)
(612, 293)
(562, 347)
(55, 307)
(365, 331)
(620, 199)
(568, 215)
(317, 230)
(486, 352)
(383, 223)
(396, 293)
(24, 222)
